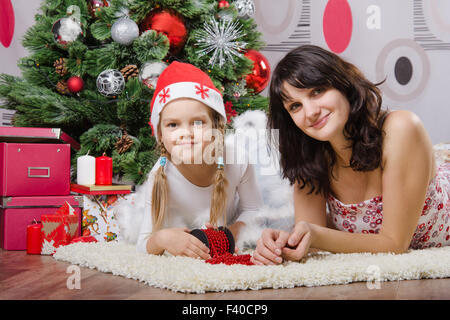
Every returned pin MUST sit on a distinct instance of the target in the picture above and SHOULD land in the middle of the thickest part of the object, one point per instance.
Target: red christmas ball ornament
(75, 84)
(260, 75)
(171, 24)
(223, 4)
(96, 5)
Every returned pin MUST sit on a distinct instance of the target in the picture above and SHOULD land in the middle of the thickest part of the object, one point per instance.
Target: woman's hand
(179, 242)
(269, 247)
(298, 242)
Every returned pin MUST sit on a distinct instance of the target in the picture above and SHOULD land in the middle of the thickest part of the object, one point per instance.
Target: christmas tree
(94, 65)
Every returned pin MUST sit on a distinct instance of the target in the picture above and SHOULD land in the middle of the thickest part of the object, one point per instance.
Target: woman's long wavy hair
(305, 160)
(160, 191)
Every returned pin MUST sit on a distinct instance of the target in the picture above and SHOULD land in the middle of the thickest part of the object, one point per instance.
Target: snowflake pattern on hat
(164, 95)
(203, 91)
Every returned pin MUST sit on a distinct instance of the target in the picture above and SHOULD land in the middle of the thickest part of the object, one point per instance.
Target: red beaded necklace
(221, 245)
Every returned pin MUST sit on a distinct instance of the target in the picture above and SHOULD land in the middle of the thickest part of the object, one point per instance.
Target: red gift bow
(83, 239)
(65, 209)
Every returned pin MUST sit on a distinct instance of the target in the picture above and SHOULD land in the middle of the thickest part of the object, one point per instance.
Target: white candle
(86, 170)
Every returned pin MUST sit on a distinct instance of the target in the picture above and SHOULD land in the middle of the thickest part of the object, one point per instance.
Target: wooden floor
(25, 276)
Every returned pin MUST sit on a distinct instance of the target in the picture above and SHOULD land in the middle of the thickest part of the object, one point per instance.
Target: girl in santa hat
(196, 173)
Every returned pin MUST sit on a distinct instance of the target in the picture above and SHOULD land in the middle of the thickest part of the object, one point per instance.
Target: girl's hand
(298, 242)
(269, 247)
(179, 242)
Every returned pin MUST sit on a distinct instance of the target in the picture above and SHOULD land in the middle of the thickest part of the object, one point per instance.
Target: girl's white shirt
(189, 204)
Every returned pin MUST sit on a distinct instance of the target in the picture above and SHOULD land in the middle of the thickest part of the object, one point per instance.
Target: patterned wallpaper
(405, 41)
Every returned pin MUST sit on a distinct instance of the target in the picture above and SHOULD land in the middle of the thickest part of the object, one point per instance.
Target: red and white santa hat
(183, 80)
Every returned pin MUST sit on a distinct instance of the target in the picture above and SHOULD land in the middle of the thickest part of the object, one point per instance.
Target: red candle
(34, 241)
(103, 170)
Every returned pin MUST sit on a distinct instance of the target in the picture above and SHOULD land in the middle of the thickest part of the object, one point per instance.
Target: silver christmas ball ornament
(110, 82)
(66, 30)
(124, 31)
(245, 8)
(150, 73)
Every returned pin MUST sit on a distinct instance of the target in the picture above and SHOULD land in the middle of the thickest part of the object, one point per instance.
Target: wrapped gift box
(99, 218)
(38, 168)
(59, 229)
(16, 213)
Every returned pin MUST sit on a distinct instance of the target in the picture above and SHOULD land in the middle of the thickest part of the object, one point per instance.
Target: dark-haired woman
(374, 169)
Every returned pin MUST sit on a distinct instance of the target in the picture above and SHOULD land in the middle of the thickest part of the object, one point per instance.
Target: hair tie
(220, 163)
(162, 161)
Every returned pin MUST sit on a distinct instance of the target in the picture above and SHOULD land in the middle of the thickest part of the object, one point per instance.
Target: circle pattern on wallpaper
(266, 11)
(406, 68)
(337, 25)
(7, 19)
(437, 12)
(403, 70)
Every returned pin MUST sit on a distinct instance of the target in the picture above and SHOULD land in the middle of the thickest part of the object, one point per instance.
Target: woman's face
(186, 129)
(321, 113)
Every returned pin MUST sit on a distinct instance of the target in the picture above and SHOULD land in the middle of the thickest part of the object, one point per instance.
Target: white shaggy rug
(195, 276)
(188, 275)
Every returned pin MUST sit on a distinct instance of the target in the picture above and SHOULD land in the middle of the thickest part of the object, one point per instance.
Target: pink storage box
(34, 162)
(16, 213)
(36, 135)
(34, 169)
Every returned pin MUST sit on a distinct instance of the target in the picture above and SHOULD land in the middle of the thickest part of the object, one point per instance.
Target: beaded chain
(219, 247)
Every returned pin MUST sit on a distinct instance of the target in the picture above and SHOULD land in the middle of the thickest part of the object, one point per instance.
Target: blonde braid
(160, 193)
(219, 194)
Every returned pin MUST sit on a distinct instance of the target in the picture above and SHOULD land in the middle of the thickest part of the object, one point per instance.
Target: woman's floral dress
(433, 228)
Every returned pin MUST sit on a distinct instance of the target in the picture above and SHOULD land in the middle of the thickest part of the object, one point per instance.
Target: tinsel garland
(221, 245)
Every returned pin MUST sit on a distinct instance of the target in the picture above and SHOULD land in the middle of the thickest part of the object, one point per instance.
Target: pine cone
(61, 66)
(130, 71)
(62, 88)
(124, 143)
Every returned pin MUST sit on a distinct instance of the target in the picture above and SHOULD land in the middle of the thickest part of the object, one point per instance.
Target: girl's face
(321, 113)
(186, 129)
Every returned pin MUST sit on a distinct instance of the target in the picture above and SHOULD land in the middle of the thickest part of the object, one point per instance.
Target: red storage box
(16, 213)
(34, 161)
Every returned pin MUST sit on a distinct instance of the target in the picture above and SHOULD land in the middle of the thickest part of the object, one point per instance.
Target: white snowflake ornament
(221, 39)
